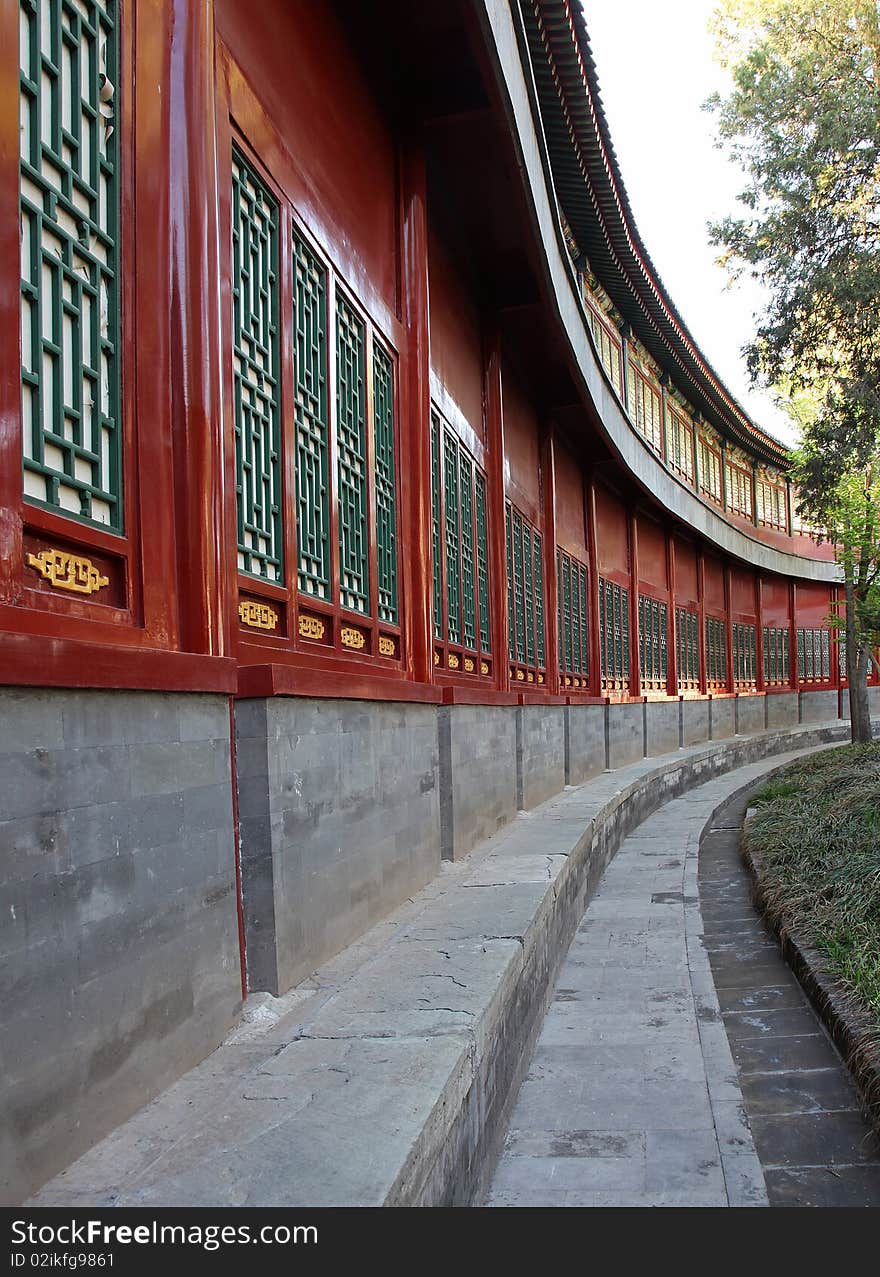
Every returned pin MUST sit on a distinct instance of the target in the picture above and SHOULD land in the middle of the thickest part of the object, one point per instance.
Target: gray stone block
(723, 717)
(694, 721)
(541, 753)
(819, 706)
(117, 859)
(662, 727)
(782, 709)
(625, 734)
(749, 715)
(338, 826)
(586, 742)
(477, 774)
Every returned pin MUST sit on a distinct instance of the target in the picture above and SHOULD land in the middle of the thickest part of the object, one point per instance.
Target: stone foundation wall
(118, 932)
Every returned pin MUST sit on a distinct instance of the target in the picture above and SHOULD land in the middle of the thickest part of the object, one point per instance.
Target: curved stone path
(632, 1097)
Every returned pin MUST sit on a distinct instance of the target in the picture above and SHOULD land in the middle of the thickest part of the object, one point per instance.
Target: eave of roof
(593, 197)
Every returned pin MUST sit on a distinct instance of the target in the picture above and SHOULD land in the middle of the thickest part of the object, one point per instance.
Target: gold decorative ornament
(520, 677)
(386, 645)
(531, 677)
(453, 661)
(311, 627)
(436, 658)
(352, 638)
(258, 615)
(66, 571)
(540, 678)
(469, 665)
(484, 668)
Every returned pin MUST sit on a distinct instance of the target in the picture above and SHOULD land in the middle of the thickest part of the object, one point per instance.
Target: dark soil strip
(815, 1145)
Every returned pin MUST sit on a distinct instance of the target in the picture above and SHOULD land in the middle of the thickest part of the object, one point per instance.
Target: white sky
(656, 68)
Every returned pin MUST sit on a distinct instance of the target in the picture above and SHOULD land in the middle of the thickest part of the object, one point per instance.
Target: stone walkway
(632, 1097)
(814, 1144)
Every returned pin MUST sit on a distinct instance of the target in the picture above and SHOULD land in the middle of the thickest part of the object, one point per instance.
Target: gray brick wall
(118, 937)
(626, 734)
(694, 722)
(782, 709)
(540, 753)
(661, 727)
(477, 774)
(722, 717)
(586, 742)
(339, 812)
(749, 714)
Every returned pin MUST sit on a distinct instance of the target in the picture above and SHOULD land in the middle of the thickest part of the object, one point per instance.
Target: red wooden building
(361, 485)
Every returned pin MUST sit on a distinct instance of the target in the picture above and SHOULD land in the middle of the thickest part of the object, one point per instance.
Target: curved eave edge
(502, 38)
(609, 192)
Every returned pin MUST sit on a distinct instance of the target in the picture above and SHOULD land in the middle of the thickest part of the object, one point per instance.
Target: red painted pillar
(205, 563)
(551, 585)
(495, 486)
(417, 562)
(794, 674)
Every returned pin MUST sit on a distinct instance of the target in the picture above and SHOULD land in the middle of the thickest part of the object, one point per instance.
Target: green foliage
(803, 121)
(816, 838)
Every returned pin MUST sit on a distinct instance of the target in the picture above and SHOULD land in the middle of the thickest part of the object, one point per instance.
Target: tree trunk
(856, 670)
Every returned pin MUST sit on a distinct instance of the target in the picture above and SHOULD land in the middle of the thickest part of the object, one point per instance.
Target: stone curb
(391, 1081)
(849, 1028)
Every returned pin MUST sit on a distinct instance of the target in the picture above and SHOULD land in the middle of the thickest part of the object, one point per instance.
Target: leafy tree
(803, 121)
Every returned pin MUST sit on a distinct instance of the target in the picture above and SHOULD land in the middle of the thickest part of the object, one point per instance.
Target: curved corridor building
(361, 487)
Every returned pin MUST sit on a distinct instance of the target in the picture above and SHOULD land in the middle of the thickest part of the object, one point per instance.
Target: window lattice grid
(468, 596)
(69, 194)
(645, 408)
(653, 656)
(716, 651)
(687, 647)
(452, 541)
(814, 655)
(745, 659)
(310, 411)
(437, 565)
(609, 350)
(710, 471)
(255, 346)
(351, 437)
(680, 447)
(613, 633)
(525, 593)
(482, 562)
(771, 505)
(739, 490)
(385, 480)
(777, 648)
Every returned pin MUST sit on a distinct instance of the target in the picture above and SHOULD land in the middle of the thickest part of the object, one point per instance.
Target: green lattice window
(386, 502)
(687, 648)
(69, 202)
(351, 440)
(482, 563)
(572, 621)
(460, 551)
(614, 634)
(745, 658)
(310, 408)
(814, 655)
(255, 343)
(653, 655)
(435, 526)
(716, 652)
(525, 593)
(777, 648)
